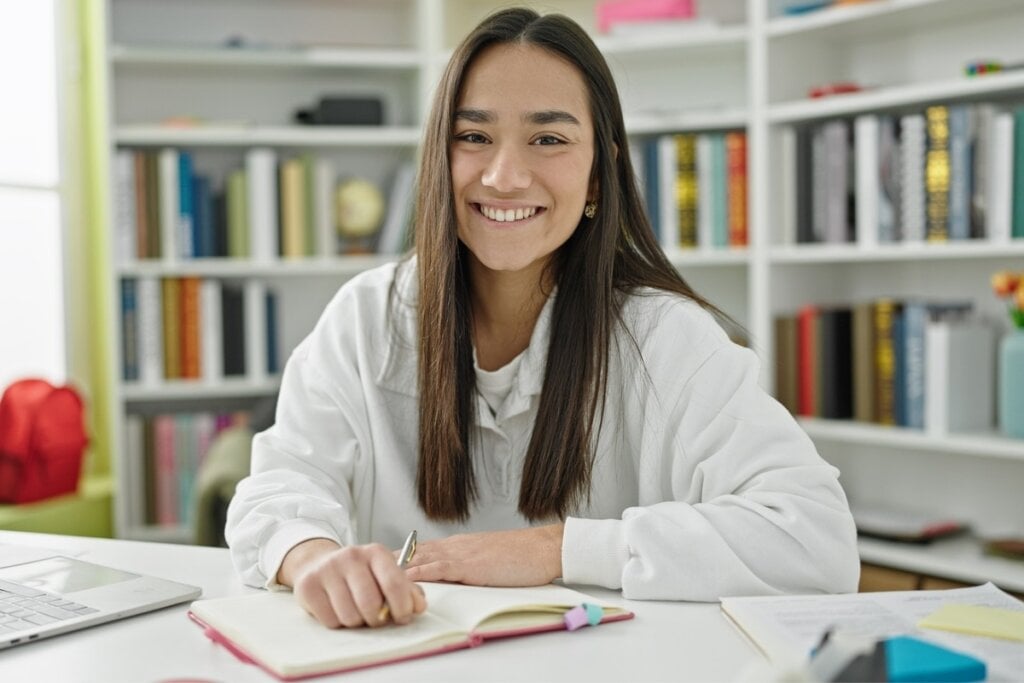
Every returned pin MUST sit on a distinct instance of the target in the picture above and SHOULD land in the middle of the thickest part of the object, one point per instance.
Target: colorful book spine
(151, 326)
(686, 189)
(186, 235)
(863, 363)
(705, 193)
(170, 204)
(960, 170)
(238, 215)
(915, 319)
(293, 209)
(885, 361)
(807, 355)
(651, 186)
(1018, 173)
(937, 174)
(129, 331)
(890, 201)
(189, 328)
(912, 188)
(154, 208)
(720, 187)
(141, 195)
(736, 148)
(172, 327)
(165, 471)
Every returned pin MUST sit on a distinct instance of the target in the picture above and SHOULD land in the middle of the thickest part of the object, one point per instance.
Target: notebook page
(469, 606)
(272, 628)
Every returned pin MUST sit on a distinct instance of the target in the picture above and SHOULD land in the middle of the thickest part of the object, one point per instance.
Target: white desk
(665, 642)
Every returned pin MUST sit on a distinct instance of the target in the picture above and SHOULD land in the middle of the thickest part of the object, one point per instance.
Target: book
(999, 179)
(787, 628)
(262, 203)
(890, 179)
(936, 174)
(868, 179)
(129, 331)
(960, 169)
(705, 193)
(170, 203)
(912, 179)
(271, 630)
(736, 168)
(686, 189)
(668, 219)
(960, 367)
(1017, 229)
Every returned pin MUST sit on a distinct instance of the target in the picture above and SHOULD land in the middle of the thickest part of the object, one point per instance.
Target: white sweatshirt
(703, 485)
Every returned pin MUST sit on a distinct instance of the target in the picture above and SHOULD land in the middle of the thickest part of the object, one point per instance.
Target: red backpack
(42, 441)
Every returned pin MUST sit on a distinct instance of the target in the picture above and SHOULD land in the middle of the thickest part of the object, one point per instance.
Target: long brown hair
(610, 255)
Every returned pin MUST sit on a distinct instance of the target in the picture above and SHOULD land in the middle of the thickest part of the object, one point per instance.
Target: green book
(309, 183)
(1018, 173)
(238, 215)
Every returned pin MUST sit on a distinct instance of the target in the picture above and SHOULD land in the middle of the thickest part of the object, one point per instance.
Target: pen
(408, 550)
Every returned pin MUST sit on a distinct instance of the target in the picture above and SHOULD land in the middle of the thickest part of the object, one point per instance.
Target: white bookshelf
(749, 71)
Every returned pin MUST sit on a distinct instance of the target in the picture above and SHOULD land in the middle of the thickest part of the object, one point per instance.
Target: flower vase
(1011, 384)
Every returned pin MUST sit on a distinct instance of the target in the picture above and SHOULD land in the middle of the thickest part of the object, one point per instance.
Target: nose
(507, 170)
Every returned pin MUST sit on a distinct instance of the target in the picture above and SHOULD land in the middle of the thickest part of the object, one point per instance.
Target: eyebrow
(536, 117)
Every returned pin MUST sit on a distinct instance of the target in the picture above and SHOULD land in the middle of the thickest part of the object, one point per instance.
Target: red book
(736, 180)
(807, 354)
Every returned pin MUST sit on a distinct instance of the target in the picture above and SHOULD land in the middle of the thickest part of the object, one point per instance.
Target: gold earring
(590, 210)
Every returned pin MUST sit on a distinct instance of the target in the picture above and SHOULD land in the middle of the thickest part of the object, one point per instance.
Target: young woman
(537, 391)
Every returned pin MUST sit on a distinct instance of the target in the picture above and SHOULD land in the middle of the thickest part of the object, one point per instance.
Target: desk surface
(666, 642)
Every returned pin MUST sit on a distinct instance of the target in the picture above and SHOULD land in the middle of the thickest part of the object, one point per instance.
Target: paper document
(786, 628)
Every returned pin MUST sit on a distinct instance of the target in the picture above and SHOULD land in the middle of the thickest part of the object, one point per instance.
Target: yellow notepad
(975, 620)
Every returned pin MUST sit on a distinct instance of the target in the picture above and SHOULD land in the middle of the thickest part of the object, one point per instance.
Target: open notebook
(272, 631)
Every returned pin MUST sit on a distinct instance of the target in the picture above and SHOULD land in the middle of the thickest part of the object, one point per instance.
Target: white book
(261, 172)
(705, 193)
(912, 154)
(999, 181)
(787, 185)
(255, 330)
(124, 209)
(837, 181)
(170, 204)
(149, 305)
(668, 171)
(960, 375)
(400, 202)
(324, 180)
(866, 143)
(211, 332)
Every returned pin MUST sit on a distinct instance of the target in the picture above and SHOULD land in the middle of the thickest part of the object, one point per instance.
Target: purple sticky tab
(594, 613)
(575, 618)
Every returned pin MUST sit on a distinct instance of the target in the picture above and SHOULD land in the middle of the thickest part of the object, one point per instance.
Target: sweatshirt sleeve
(300, 486)
(734, 498)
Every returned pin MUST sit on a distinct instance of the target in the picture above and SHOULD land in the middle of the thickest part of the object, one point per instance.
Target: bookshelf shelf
(189, 389)
(962, 559)
(703, 120)
(343, 266)
(888, 16)
(690, 258)
(894, 253)
(990, 445)
(304, 58)
(894, 97)
(274, 136)
(700, 38)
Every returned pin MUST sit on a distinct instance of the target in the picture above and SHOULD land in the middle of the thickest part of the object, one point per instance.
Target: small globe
(360, 208)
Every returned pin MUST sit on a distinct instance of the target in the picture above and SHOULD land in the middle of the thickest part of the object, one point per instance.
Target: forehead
(519, 78)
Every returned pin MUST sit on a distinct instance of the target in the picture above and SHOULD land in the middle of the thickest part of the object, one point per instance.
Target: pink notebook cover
(615, 11)
(472, 641)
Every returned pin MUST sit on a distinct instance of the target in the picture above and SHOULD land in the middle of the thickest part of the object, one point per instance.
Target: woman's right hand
(349, 586)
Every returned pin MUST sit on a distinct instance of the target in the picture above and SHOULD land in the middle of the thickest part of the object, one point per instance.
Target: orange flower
(1004, 282)
(1018, 299)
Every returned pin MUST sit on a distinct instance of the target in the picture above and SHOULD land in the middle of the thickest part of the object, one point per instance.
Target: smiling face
(521, 156)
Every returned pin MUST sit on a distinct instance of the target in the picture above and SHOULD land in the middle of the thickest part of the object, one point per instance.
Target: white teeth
(507, 215)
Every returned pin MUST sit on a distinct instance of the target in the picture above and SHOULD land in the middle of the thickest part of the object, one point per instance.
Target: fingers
(349, 588)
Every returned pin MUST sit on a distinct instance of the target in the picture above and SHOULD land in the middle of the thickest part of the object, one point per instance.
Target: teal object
(912, 660)
(1011, 384)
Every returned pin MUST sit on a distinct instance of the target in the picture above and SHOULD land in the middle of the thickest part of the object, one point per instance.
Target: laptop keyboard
(23, 608)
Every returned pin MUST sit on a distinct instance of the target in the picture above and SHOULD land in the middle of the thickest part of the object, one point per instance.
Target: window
(32, 329)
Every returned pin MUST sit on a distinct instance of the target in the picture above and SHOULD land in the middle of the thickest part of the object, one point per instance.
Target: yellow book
(293, 209)
(172, 327)
(271, 630)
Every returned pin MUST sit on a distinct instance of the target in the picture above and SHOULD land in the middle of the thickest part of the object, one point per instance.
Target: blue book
(273, 367)
(899, 383)
(203, 237)
(914, 322)
(719, 192)
(129, 331)
(187, 248)
(960, 171)
(651, 183)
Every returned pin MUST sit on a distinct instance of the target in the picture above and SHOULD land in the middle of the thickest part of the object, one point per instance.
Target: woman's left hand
(521, 557)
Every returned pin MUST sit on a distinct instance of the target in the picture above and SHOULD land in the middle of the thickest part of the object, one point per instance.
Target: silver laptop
(43, 594)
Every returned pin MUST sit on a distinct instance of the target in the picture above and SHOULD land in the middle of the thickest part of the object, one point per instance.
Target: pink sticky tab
(575, 618)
